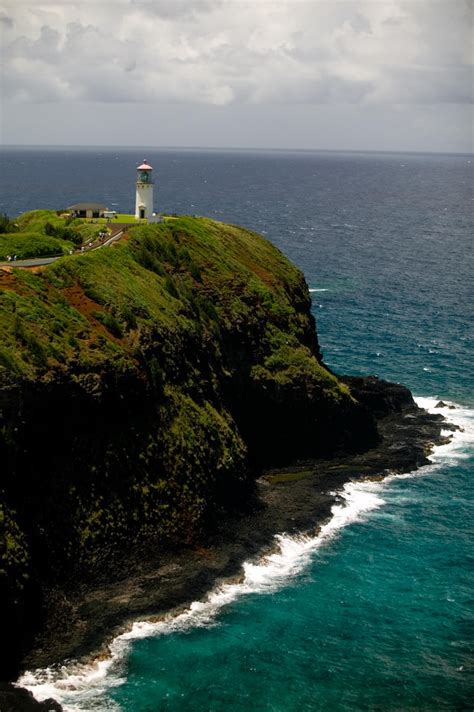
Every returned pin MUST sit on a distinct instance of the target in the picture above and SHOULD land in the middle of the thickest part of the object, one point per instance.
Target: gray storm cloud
(223, 52)
(381, 74)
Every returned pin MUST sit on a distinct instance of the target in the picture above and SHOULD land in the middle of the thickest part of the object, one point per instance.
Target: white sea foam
(318, 290)
(461, 439)
(460, 442)
(82, 687)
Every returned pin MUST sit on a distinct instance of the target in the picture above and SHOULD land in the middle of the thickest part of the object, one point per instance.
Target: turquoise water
(373, 612)
(379, 619)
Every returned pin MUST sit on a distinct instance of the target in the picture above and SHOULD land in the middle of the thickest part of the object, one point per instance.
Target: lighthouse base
(144, 201)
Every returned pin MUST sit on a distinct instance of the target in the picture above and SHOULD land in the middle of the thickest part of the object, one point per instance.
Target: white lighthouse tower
(144, 194)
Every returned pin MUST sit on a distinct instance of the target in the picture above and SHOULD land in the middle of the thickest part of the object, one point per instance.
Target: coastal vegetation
(24, 245)
(44, 233)
(143, 388)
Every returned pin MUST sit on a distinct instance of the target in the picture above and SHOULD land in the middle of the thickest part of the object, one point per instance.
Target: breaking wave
(83, 686)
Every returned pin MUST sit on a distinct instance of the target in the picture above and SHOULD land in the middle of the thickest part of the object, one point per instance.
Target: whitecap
(318, 290)
(461, 439)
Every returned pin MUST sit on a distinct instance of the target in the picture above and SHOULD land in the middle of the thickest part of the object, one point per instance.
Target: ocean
(374, 611)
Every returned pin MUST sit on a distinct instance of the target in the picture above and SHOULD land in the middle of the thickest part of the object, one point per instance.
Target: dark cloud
(430, 85)
(176, 9)
(285, 51)
(232, 55)
(6, 21)
(360, 24)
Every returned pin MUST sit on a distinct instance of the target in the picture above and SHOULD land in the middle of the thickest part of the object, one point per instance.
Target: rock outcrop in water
(142, 389)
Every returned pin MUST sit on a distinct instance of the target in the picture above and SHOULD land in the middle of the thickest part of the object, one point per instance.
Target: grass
(32, 244)
(246, 280)
(154, 337)
(290, 365)
(182, 276)
(125, 217)
(87, 230)
(47, 223)
(70, 233)
(119, 218)
(282, 477)
(35, 220)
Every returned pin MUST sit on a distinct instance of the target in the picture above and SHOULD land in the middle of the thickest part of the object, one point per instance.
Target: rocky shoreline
(80, 624)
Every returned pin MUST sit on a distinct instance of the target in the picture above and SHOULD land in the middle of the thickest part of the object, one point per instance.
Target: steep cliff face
(141, 388)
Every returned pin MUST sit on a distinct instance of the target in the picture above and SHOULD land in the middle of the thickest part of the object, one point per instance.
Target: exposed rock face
(142, 388)
(13, 699)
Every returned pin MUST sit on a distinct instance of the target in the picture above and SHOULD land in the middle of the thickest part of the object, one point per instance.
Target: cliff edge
(142, 389)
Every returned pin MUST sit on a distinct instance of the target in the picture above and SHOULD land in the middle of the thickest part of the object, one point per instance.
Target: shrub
(128, 316)
(6, 225)
(111, 323)
(171, 288)
(195, 271)
(63, 233)
(31, 244)
(36, 351)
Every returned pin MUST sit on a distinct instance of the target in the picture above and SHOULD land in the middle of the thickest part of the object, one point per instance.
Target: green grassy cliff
(45, 233)
(142, 387)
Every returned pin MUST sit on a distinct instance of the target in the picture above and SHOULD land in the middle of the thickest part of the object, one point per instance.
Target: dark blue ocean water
(374, 612)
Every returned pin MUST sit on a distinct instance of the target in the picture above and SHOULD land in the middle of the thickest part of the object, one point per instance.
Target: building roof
(87, 206)
(145, 166)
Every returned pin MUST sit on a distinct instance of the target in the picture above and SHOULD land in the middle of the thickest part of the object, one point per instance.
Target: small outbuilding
(87, 210)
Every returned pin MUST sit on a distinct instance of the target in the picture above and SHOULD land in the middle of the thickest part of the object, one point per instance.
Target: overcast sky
(380, 75)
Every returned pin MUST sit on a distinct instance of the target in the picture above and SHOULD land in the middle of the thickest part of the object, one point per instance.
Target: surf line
(78, 685)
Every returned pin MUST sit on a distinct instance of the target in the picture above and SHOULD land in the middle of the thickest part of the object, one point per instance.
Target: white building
(144, 192)
(87, 210)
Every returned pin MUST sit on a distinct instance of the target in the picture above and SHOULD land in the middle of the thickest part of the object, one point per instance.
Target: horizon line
(234, 149)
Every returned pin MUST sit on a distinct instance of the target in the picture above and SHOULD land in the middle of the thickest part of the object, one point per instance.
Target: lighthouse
(144, 192)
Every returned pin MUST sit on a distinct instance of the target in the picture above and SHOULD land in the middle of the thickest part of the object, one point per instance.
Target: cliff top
(188, 275)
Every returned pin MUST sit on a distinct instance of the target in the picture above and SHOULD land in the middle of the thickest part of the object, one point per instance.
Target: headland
(165, 412)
